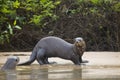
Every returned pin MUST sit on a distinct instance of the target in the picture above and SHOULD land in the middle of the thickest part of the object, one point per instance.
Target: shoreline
(95, 58)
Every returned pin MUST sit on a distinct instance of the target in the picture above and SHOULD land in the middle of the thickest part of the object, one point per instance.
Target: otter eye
(16, 60)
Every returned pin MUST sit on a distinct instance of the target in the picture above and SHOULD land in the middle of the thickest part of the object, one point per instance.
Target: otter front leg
(75, 60)
(41, 56)
(82, 61)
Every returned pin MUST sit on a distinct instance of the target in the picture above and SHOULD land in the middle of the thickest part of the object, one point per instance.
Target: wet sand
(94, 58)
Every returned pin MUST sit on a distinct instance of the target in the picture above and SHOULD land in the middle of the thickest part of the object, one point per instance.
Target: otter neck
(77, 50)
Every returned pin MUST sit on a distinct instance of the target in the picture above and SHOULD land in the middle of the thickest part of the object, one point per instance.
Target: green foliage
(95, 20)
(99, 2)
(95, 1)
(95, 6)
(38, 10)
(16, 13)
(116, 7)
(8, 19)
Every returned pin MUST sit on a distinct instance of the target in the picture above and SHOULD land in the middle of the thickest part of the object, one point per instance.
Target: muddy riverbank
(94, 58)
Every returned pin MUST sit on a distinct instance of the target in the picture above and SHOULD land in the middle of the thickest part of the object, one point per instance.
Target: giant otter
(57, 47)
(10, 63)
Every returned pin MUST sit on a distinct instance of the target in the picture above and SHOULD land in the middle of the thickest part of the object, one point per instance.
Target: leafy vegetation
(97, 21)
(18, 13)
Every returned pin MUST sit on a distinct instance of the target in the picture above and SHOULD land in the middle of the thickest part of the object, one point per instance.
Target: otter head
(10, 63)
(80, 45)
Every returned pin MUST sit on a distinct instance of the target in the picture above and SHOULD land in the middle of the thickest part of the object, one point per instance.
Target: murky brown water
(99, 68)
(62, 72)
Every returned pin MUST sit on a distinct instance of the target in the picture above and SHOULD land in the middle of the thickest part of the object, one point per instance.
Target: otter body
(57, 47)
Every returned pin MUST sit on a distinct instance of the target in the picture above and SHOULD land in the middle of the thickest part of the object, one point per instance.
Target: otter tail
(31, 59)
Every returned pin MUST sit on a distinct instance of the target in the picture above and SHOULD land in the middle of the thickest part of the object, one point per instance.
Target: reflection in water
(39, 74)
(64, 74)
(60, 72)
(103, 73)
(51, 73)
(8, 75)
(11, 75)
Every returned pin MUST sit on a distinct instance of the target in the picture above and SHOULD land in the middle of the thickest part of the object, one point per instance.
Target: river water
(101, 66)
(62, 72)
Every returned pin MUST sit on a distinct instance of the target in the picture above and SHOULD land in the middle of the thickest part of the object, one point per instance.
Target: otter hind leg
(47, 62)
(41, 56)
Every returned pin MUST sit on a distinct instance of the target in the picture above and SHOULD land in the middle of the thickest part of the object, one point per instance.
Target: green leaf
(116, 7)
(37, 19)
(7, 37)
(14, 22)
(4, 32)
(16, 4)
(43, 1)
(94, 1)
(10, 29)
(1, 39)
(4, 10)
(57, 2)
(17, 27)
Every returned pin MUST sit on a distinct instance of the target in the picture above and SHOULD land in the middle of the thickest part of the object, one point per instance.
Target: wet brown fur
(80, 46)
